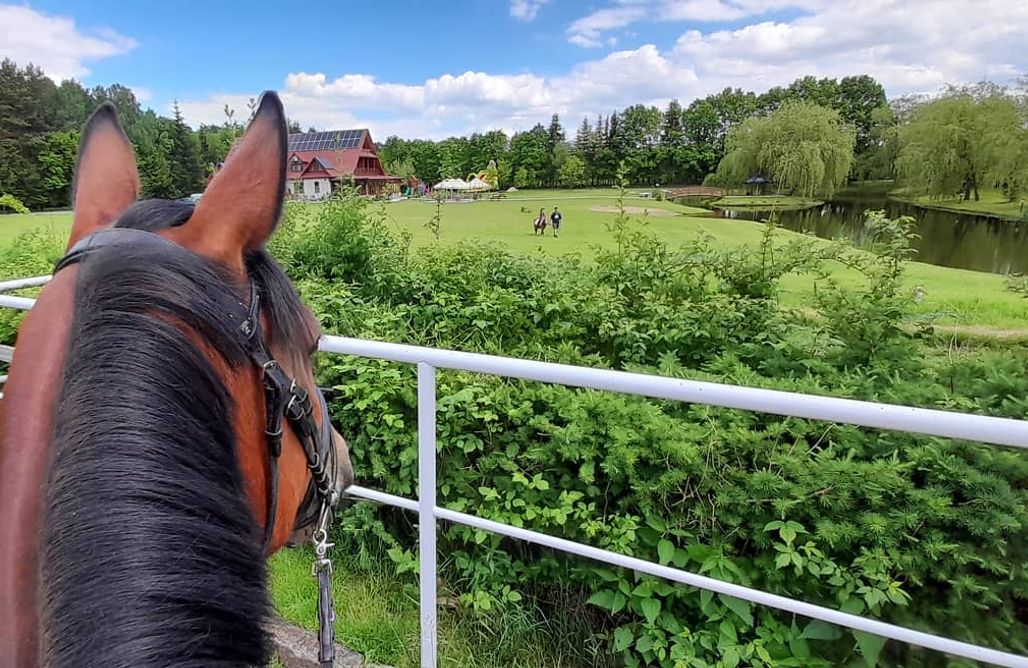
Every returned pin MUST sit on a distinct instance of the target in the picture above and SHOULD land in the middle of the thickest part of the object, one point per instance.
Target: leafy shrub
(31, 253)
(9, 202)
(920, 531)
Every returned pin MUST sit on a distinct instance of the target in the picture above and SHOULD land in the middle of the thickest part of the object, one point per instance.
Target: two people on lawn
(539, 224)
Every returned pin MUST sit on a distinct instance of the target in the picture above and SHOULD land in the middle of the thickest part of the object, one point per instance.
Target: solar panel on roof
(325, 141)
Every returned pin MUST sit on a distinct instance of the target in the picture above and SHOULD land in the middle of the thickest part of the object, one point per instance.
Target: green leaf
(853, 605)
(706, 596)
(782, 560)
(799, 648)
(644, 644)
(818, 630)
(730, 657)
(728, 635)
(623, 638)
(771, 526)
(870, 646)
(650, 608)
(665, 551)
(620, 600)
(603, 599)
(739, 607)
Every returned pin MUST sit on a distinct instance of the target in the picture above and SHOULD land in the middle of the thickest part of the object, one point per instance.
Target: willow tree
(802, 148)
(969, 138)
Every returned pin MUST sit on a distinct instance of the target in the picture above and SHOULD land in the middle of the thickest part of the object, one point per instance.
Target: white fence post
(426, 512)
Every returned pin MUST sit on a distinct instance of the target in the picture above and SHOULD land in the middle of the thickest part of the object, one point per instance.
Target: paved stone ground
(298, 648)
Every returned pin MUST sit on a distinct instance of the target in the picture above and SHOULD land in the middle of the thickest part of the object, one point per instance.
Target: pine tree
(186, 175)
(555, 134)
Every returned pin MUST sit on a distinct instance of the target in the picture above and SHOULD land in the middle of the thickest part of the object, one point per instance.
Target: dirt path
(636, 211)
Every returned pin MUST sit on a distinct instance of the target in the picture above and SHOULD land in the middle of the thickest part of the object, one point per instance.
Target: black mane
(150, 555)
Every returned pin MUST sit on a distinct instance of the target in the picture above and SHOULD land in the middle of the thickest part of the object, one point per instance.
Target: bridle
(284, 397)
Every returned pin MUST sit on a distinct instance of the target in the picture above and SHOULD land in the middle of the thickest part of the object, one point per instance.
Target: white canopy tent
(452, 184)
(478, 184)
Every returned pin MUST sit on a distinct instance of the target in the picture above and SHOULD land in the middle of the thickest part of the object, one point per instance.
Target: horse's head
(229, 227)
(166, 366)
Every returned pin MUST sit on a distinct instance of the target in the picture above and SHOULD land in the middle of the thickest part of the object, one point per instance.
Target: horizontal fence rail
(946, 424)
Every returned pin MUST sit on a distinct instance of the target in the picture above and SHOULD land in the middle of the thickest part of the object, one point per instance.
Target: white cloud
(55, 43)
(909, 46)
(526, 10)
(587, 30)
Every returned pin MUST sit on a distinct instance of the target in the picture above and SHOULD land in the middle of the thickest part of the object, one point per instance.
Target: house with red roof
(317, 163)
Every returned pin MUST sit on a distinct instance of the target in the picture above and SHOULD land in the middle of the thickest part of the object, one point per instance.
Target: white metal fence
(997, 431)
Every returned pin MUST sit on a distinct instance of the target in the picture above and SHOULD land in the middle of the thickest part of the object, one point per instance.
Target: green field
(13, 224)
(992, 203)
(961, 299)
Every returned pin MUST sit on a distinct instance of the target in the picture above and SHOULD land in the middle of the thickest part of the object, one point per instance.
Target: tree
(966, 139)
(802, 147)
(555, 133)
(858, 98)
(403, 168)
(572, 172)
(558, 150)
(708, 121)
(523, 178)
(186, 176)
(530, 151)
(878, 162)
(455, 157)
(504, 174)
(56, 155)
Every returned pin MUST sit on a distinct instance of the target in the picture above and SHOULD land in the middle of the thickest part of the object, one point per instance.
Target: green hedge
(919, 531)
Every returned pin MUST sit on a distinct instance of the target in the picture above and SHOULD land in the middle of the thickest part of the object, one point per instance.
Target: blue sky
(432, 69)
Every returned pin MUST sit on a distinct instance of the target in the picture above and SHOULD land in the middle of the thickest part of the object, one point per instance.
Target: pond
(949, 239)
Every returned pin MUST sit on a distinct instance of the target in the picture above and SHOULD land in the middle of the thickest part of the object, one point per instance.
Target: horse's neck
(29, 398)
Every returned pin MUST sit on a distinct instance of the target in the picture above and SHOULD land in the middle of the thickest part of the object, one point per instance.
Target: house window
(296, 165)
(317, 187)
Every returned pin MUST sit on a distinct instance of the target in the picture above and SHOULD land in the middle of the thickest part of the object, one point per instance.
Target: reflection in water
(946, 238)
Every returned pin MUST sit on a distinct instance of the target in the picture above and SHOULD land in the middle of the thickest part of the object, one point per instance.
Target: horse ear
(106, 181)
(242, 204)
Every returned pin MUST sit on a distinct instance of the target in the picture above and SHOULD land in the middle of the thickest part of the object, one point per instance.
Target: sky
(436, 69)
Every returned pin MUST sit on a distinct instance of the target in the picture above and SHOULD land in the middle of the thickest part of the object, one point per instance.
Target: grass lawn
(377, 615)
(961, 298)
(13, 224)
(992, 202)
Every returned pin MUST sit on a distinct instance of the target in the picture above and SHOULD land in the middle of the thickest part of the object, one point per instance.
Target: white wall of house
(306, 189)
(316, 188)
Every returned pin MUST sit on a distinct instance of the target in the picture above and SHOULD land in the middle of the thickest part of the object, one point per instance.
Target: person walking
(555, 219)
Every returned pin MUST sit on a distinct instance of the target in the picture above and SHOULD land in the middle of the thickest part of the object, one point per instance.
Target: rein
(284, 397)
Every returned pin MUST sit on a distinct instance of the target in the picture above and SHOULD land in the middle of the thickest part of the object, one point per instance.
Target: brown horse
(136, 475)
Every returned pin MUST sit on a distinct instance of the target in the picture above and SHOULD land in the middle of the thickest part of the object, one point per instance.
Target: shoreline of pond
(860, 191)
(946, 237)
